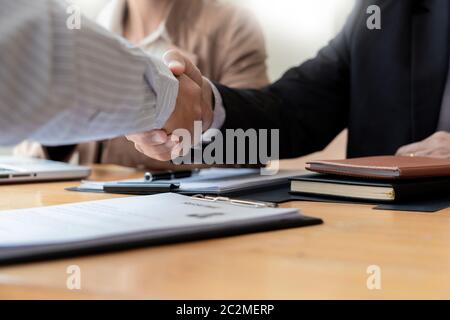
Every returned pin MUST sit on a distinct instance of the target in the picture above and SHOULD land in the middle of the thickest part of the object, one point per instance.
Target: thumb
(179, 64)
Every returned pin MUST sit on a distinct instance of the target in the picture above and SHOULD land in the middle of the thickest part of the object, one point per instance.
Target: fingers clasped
(157, 145)
(194, 103)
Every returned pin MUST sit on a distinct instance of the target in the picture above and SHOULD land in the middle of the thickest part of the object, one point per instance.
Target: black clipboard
(21, 254)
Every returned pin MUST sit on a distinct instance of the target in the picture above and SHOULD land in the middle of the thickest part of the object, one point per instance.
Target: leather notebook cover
(384, 167)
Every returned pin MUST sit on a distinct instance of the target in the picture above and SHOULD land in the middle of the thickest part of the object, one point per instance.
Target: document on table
(107, 218)
(211, 176)
(234, 183)
(216, 181)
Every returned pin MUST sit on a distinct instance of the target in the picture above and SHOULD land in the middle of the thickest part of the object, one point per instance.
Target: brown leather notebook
(384, 167)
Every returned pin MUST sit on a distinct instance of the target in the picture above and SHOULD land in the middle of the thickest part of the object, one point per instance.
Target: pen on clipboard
(167, 175)
(140, 188)
(150, 185)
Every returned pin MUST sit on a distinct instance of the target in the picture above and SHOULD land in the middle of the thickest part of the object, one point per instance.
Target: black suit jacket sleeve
(309, 104)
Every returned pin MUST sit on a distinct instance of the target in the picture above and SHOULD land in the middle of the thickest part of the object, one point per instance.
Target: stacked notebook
(385, 178)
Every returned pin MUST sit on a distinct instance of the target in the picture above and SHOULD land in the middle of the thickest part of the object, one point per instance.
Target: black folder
(13, 255)
(162, 237)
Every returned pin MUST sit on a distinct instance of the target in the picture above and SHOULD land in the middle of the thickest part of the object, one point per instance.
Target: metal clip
(242, 203)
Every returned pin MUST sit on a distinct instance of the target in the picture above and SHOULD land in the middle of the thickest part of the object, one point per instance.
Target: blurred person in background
(224, 41)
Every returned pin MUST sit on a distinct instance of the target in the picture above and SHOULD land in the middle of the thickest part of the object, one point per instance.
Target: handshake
(194, 103)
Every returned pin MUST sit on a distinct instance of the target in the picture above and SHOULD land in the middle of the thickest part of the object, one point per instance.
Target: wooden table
(324, 262)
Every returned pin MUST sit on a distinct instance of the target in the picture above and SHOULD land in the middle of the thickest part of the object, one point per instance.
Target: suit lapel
(429, 63)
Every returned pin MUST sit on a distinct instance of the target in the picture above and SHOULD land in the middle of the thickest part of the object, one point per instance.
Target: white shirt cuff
(219, 114)
(166, 87)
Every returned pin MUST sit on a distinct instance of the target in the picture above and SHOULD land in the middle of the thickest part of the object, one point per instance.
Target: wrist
(218, 111)
(209, 104)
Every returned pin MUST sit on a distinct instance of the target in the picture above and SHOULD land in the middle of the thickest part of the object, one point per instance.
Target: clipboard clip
(236, 202)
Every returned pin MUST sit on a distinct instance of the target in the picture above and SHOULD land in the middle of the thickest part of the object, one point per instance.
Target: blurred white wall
(294, 29)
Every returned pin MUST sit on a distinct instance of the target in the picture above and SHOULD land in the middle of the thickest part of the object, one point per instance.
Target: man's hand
(194, 103)
(180, 65)
(436, 146)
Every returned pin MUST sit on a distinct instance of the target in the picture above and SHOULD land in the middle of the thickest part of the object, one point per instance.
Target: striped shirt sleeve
(63, 86)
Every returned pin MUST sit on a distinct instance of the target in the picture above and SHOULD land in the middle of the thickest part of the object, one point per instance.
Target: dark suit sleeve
(309, 104)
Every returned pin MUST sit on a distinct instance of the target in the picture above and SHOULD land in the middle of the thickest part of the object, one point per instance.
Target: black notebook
(369, 189)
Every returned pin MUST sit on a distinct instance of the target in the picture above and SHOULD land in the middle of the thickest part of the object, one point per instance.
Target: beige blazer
(224, 41)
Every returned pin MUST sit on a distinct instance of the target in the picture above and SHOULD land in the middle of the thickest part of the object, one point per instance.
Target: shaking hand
(194, 103)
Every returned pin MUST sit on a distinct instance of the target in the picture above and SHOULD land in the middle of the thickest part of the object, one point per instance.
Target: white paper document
(217, 181)
(106, 218)
(236, 183)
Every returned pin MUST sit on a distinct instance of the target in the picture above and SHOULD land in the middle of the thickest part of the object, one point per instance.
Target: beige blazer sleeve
(242, 52)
